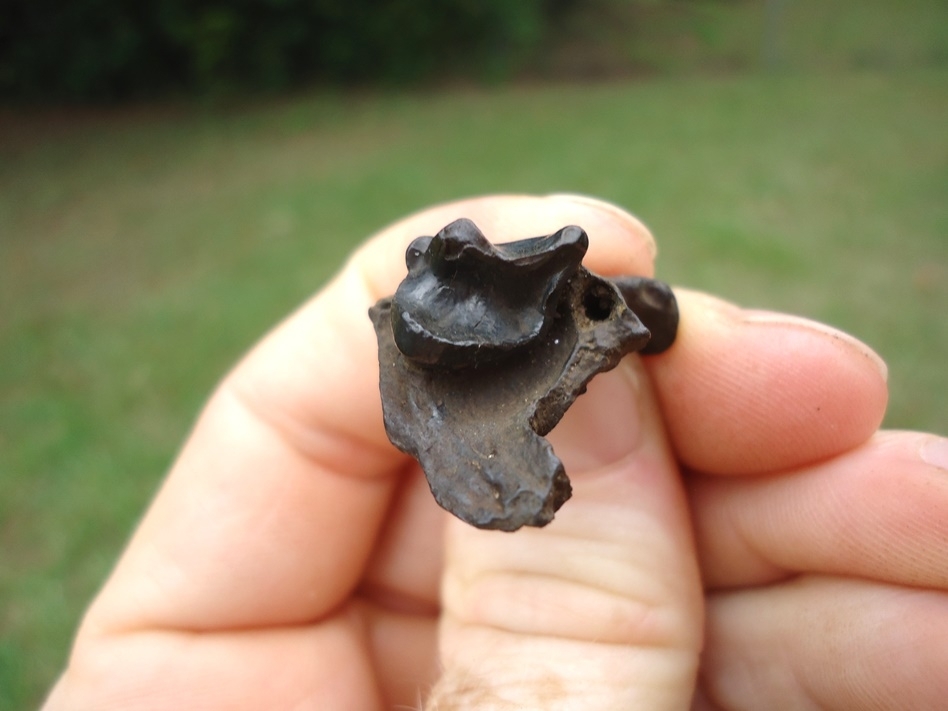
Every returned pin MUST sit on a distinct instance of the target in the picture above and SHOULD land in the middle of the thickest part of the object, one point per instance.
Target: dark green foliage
(110, 49)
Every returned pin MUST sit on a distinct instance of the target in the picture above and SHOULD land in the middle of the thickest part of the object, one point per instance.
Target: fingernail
(613, 209)
(775, 318)
(935, 452)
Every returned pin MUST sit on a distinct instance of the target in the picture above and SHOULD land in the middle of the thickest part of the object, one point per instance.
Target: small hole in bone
(598, 303)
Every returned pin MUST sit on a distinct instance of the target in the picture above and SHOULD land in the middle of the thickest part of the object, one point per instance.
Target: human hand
(737, 527)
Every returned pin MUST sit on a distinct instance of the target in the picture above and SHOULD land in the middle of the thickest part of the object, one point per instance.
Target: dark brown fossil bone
(484, 347)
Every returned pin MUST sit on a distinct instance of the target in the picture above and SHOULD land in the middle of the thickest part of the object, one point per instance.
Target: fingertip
(753, 392)
(319, 358)
(619, 242)
(646, 248)
(845, 340)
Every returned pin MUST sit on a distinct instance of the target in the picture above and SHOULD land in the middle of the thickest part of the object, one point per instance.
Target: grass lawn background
(143, 250)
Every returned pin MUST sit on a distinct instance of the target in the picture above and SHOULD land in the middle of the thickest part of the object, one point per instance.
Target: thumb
(602, 608)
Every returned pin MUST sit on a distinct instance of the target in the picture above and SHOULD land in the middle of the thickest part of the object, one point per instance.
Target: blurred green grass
(142, 250)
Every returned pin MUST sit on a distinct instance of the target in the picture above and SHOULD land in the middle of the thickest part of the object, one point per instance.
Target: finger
(240, 669)
(878, 512)
(601, 608)
(751, 392)
(826, 643)
(405, 570)
(618, 242)
(272, 509)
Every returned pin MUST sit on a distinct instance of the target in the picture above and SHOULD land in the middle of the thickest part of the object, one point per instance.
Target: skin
(741, 535)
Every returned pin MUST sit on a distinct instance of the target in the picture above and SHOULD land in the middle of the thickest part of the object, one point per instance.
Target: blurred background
(176, 176)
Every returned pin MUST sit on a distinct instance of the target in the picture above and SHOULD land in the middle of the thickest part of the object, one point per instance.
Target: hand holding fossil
(741, 534)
